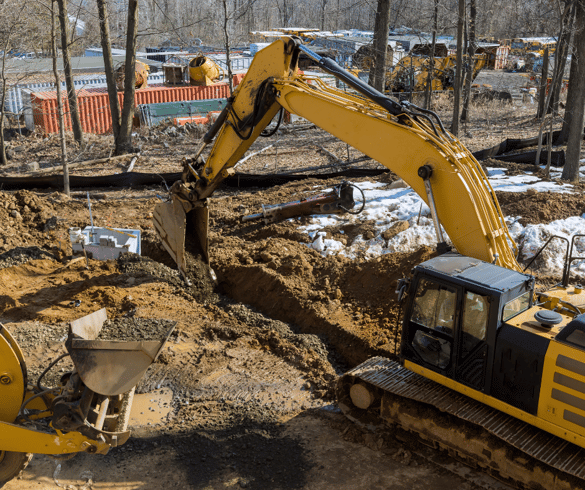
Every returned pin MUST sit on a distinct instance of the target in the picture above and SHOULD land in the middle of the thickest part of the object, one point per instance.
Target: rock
(15, 214)
(398, 184)
(51, 223)
(266, 257)
(396, 228)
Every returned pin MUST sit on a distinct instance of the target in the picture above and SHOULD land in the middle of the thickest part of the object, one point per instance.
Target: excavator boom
(406, 139)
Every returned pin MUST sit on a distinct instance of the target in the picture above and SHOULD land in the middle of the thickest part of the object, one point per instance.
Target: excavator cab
(482, 327)
(456, 306)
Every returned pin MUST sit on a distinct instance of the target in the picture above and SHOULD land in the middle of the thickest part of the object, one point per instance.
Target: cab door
(429, 335)
(472, 346)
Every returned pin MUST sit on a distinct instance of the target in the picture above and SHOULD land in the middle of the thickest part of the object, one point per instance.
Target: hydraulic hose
(330, 66)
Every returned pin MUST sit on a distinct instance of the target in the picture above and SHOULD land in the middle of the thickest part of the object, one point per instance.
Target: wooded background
(181, 22)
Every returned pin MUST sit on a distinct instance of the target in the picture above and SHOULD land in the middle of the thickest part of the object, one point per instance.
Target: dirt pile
(201, 281)
(21, 255)
(24, 219)
(540, 207)
(351, 304)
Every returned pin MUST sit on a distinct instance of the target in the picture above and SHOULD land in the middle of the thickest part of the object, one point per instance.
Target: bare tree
(71, 94)
(458, 69)
(380, 44)
(571, 167)
(226, 19)
(431, 71)
(124, 140)
(109, 67)
(11, 13)
(323, 7)
(470, 66)
(59, 100)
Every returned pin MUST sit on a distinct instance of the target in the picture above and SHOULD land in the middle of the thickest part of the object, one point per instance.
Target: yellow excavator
(86, 411)
(411, 73)
(490, 369)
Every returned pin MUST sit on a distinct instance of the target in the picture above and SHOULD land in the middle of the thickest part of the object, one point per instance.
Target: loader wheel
(12, 464)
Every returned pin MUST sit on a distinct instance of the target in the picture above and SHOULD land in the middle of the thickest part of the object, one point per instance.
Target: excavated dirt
(541, 207)
(260, 338)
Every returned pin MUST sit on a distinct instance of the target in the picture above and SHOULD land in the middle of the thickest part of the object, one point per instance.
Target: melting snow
(386, 205)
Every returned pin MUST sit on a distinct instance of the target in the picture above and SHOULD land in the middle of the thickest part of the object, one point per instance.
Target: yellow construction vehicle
(87, 411)
(411, 73)
(490, 369)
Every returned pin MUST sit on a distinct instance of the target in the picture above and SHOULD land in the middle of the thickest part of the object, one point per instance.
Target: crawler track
(503, 446)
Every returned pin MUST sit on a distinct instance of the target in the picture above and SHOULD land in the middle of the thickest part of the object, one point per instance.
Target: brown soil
(254, 356)
(541, 207)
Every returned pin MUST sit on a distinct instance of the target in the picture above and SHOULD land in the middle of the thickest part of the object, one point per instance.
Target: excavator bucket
(109, 367)
(178, 229)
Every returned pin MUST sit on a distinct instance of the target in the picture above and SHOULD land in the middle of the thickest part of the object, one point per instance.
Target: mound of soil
(201, 281)
(352, 304)
(540, 207)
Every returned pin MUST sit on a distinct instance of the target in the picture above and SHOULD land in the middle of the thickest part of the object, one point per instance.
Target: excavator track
(504, 447)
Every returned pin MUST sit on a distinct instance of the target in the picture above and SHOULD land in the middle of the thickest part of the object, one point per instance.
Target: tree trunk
(226, 34)
(3, 158)
(572, 93)
(571, 168)
(543, 85)
(567, 22)
(470, 61)
(380, 44)
(59, 102)
(124, 142)
(458, 69)
(109, 67)
(431, 73)
(7, 36)
(71, 94)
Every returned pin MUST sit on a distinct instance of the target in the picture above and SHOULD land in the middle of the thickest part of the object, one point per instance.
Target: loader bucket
(109, 367)
(178, 230)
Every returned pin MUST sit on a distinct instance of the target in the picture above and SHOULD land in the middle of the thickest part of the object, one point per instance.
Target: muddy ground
(242, 396)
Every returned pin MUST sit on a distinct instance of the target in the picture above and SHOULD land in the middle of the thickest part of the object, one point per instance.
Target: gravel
(130, 329)
(21, 255)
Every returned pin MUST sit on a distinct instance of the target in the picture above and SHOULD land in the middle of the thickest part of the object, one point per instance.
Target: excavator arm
(406, 139)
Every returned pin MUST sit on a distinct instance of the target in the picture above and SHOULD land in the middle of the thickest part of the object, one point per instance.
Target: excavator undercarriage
(506, 448)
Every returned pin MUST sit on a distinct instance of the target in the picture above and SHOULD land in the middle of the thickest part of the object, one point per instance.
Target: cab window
(434, 306)
(474, 321)
(516, 306)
